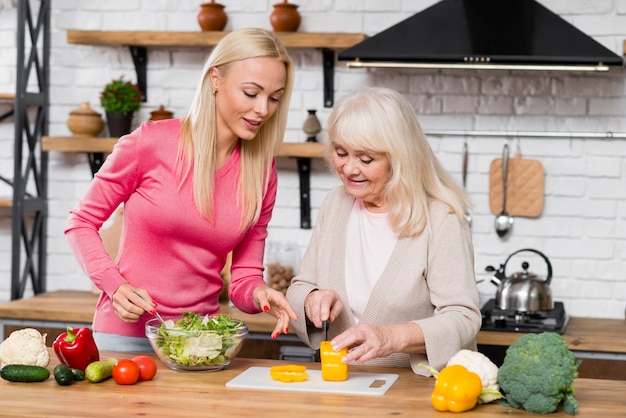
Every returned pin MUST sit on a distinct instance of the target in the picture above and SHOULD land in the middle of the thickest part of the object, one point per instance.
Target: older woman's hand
(322, 305)
(275, 303)
(367, 342)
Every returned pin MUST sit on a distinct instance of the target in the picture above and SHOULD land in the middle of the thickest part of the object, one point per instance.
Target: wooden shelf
(7, 97)
(6, 202)
(139, 41)
(97, 147)
(198, 39)
(105, 145)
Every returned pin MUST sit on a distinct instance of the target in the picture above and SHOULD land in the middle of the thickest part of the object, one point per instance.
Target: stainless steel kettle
(523, 291)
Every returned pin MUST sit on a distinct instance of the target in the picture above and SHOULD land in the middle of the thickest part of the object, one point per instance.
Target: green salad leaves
(196, 340)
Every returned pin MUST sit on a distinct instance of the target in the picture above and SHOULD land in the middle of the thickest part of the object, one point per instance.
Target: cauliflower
(485, 369)
(25, 346)
(538, 372)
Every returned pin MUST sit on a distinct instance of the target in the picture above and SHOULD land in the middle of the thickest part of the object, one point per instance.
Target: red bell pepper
(76, 348)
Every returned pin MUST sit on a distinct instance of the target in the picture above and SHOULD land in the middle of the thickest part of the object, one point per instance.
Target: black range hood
(483, 34)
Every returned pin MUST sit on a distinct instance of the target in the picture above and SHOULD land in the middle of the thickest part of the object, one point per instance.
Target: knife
(325, 325)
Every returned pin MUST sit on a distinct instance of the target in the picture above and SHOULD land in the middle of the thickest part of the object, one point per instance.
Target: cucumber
(100, 370)
(63, 375)
(24, 373)
(78, 374)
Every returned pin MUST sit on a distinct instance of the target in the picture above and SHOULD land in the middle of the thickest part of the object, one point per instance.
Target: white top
(370, 241)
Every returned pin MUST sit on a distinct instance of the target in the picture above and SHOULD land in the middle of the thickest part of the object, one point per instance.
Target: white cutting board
(358, 383)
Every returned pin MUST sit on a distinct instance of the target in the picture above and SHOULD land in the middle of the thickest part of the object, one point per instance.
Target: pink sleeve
(247, 266)
(111, 186)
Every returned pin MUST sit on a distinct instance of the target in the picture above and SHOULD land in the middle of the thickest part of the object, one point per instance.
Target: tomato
(147, 367)
(126, 372)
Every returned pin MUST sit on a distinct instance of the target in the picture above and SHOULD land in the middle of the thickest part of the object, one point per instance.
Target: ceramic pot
(161, 113)
(212, 16)
(285, 17)
(119, 123)
(84, 121)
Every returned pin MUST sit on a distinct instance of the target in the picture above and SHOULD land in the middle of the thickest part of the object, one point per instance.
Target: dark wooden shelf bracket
(140, 59)
(328, 56)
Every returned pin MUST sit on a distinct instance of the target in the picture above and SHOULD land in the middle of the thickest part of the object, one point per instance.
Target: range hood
(483, 34)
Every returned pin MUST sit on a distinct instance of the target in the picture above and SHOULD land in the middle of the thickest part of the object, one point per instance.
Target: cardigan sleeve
(453, 293)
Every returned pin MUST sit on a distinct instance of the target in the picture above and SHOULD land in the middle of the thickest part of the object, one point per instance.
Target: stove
(494, 319)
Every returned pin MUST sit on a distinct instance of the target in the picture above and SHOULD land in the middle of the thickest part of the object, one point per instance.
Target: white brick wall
(583, 225)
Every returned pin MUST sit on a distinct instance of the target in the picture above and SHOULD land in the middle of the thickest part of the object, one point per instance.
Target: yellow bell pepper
(456, 389)
(290, 373)
(332, 368)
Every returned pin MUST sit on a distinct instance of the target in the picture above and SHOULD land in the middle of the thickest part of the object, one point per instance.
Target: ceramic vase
(285, 17)
(84, 121)
(212, 16)
(119, 124)
(311, 126)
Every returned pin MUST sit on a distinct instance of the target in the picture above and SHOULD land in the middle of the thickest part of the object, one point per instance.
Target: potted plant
(120, 99)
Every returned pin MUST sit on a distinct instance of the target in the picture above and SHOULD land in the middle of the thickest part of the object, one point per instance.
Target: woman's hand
(275, 303)
(130, 303)
(322, 305)
(367, 342)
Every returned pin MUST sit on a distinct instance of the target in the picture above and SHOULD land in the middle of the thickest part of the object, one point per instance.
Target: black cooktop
(494, 319)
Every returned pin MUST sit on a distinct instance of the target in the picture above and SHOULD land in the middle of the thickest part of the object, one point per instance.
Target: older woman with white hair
(390, 263)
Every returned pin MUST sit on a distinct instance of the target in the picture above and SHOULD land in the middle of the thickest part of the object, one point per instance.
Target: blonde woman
(390, 263)
(193, 189)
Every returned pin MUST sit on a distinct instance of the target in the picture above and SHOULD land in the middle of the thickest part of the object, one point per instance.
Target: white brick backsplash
(582, 228)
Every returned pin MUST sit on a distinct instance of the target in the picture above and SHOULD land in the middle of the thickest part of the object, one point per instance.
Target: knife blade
(325, 326)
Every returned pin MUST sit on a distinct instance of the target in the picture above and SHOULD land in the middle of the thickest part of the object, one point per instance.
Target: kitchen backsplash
(582, 228)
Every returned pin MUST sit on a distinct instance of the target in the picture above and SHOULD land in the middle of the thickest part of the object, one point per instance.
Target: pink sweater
(166, 247)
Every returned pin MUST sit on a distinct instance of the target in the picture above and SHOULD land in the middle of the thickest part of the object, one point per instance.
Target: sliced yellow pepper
(290, 373)
(332, 368)
(456, 390)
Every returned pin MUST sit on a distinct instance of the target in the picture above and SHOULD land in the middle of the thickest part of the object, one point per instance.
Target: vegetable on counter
(24, 373)
(76, 348)
(289, 373)
(63, 374)
(480, 364)
(126, 372)
(538, 372)
(25, 346)
(100, 370)
(333, 369)
(456, 389)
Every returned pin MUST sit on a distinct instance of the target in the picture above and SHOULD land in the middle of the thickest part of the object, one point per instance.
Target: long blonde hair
(198, 137)
(381, 120)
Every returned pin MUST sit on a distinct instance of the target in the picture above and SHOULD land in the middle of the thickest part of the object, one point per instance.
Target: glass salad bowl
(197, 343)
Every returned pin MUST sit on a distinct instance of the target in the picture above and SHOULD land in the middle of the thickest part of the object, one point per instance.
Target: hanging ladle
(504, 222)
(468, 217)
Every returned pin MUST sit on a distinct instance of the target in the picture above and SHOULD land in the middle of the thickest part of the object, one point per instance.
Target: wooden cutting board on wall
(525, 187)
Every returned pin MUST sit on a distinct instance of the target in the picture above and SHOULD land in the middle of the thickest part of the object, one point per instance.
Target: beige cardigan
(428, 280)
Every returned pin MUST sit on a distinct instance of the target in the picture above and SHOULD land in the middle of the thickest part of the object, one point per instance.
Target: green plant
(120, 96)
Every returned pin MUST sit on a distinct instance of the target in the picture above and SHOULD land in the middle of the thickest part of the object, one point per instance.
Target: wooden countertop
(582, 334)
(79, 306)
(191, 394)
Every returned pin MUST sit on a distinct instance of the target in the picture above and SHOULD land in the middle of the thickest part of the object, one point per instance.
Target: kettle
(523, 291)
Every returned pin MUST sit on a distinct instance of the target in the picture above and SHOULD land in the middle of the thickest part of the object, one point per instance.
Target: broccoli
(537, 374)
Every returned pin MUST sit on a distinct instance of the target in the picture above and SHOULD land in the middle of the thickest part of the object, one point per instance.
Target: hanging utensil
(504, 222)
(468, 217)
